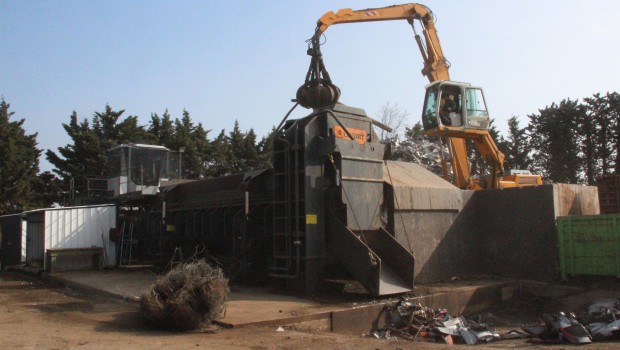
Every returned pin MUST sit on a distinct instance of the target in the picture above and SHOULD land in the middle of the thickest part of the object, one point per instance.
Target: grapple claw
(317, 94)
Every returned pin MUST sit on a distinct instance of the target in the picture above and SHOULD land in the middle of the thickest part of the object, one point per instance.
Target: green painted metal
(589, 245)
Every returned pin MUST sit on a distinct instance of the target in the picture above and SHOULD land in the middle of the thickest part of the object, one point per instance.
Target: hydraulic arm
(435, 64)
(318, 91)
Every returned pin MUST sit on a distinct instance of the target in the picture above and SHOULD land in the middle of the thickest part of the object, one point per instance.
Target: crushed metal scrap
(601, 323)
(605, 319)
(557, 328)
(410, 320)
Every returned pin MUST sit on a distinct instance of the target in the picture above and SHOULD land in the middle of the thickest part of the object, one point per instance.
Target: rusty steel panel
(416, 188)
(575, 200)
(609, 193)
(359, 320)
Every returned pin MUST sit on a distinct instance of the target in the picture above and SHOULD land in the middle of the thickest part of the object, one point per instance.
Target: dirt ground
(34, 315)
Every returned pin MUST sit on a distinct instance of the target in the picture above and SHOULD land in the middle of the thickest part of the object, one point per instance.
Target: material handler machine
(452, 110)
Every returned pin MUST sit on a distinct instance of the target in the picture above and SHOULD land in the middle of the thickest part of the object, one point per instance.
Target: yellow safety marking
(311, 219)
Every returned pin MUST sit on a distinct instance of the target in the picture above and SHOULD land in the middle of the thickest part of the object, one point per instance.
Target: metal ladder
(126, 243)
(288, 205)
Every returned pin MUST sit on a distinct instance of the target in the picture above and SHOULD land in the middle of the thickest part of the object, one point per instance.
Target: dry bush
(188, 296)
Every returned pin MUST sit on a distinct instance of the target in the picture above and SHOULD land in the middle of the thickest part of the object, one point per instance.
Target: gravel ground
(34, 315)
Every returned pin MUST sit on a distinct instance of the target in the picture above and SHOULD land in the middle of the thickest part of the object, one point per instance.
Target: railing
(88, 186)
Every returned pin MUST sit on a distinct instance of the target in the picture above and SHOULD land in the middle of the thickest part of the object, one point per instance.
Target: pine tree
(613, 114)
(183, 140)
(554, 142)
(163, 130)
(204, 148)
(243, 152)
(587, 129)
(265, 150)
(194, 140)
(47, 189)
(250, 151)
(19, 163)
(80, 158)
(516, 147)
(84, 162)
(604, 112)
(219, 162)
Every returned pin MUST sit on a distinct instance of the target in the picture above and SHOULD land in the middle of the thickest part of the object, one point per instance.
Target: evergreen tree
(84, 162)
(47, 189)
(587, 135)
(163, 130)
(250, 151)
(112, 131)
(219, 162)
(416, 133)
(265, 150)
(204, 148)
(236, 142)
(602, 127)
(242, 152)
(19, 163)
(81, 158)
(613, 100)
(183, 140)
(554, 142)
(193, 139)
(515, 147)
(604, 124)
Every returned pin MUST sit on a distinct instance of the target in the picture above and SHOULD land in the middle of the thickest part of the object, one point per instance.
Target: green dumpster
(589, 245)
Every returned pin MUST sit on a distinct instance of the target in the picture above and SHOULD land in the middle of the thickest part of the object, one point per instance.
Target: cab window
(477, 114)
(429, 112)
(475, 103)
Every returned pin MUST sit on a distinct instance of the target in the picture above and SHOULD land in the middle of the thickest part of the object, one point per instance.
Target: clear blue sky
(244, 60)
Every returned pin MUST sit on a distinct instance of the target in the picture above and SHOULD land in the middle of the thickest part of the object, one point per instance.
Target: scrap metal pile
(601, 323)
(410, 320)
(605, 322)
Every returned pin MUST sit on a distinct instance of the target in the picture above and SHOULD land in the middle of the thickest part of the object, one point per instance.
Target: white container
(71, 227)
(455, 119)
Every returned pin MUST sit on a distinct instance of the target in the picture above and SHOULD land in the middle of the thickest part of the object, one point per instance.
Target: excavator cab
(454, 105)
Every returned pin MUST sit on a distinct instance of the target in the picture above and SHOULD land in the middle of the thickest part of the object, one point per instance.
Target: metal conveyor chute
(381, 264)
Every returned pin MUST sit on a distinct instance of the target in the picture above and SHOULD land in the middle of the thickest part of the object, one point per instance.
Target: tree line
(23, 187)
(567, 142)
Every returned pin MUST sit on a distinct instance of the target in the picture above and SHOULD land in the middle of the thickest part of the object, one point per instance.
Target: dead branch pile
(188, 296)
